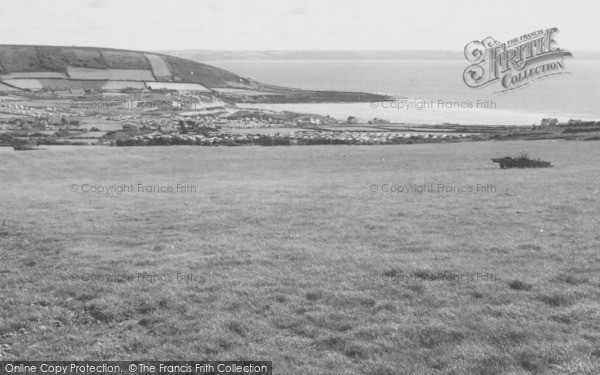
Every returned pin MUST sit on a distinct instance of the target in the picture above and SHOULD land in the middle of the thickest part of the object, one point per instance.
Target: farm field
(176, 86)
(305, 256)
(101, 124)
(125, 60)
(110, 74)
(6, 88)
(24, 83)
(34, 75)
(118, 85)
(67, 84)
(159, 67)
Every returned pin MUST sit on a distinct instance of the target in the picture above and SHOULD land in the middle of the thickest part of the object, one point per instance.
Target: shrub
(519, 285)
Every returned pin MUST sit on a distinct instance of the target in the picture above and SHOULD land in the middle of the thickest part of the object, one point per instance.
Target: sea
(429, 91)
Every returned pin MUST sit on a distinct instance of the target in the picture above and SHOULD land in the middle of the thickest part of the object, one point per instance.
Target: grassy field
(28, 58)
(302, 256)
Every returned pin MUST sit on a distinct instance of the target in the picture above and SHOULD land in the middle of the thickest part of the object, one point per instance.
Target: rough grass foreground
(306, 257)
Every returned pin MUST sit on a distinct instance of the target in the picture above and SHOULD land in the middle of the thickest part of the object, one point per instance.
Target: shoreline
(429, 116)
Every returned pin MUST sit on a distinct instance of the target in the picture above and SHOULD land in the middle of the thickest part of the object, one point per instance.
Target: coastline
(432, 116)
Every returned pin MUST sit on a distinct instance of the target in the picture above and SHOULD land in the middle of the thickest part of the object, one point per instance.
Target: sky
(293, 24)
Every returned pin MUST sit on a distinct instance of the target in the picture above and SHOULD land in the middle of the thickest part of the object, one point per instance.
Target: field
(159, 67)
(119, 85)
(103, 125)
(86, 58)
(176, 86)
(34, 75)
(24, 83)
(205, 75)
(68, 84)
(302, 256)
(12, 57)
(125, 60)
(5, 88)
(110, 74)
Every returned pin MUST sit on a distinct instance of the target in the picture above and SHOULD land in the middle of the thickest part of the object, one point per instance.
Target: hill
(58, 68)
(164, 68)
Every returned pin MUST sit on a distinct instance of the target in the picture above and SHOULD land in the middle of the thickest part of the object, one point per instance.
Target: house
(549, 122)
(307, 120)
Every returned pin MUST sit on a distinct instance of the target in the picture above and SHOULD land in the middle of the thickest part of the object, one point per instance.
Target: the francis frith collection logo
(516, 62)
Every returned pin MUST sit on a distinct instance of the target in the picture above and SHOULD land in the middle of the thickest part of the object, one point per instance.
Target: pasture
(125, 60)
(110, 74)
(119, 85)
(176, 86)
(24, 83)
(101, 124)
(323, 259)
(34, 75)
(68, 84)
(159, 67)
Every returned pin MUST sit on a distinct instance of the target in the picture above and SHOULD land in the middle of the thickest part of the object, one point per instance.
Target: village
(174, 117)
(54, 126)
(170, 117)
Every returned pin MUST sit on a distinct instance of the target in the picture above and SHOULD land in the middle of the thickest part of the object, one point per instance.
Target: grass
(125, 60)
(285, 254)
(15, 58)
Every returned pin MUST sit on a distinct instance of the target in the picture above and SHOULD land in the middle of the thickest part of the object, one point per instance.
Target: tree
(182, 127)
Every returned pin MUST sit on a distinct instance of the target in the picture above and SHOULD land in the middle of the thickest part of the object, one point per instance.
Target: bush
(519, 285)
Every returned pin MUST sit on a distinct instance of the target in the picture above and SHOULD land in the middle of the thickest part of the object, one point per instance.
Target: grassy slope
(56, 59)
(293, 258)
(19, 58)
